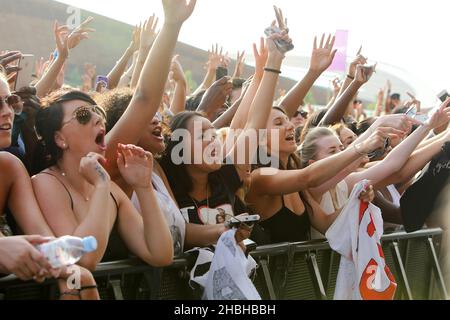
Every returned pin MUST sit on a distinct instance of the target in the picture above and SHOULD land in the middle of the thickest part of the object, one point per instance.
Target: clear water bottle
(67, 251)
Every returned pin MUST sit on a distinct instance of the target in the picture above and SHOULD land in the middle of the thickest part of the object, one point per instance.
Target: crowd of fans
(100, 160)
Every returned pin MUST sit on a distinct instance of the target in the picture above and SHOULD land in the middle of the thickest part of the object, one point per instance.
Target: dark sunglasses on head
(10, 100)
(84, 114)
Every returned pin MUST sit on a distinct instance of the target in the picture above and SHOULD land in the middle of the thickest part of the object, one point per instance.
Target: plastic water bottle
(67, 251)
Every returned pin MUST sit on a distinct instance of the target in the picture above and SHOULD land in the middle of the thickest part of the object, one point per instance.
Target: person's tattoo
(100, 172)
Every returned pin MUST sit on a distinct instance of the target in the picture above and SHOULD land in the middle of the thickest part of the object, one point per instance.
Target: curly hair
(115, 102)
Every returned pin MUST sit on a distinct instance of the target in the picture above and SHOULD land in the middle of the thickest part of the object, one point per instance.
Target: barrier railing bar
(401, 270)
(437, 269)
(117, 289)
(268, 279)
(135, 266)
(317, 279)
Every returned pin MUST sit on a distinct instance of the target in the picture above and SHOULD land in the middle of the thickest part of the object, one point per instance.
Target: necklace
(65, 176)
(207, 206)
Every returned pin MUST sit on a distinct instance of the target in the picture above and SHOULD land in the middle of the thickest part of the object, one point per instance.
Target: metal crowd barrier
(288, 271)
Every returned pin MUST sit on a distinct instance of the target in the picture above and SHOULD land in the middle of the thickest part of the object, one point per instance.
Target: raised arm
(241, 116)
(178, 103)
(398, 157)
(125, 80)
(116, 73)
(279, 182)
(240, 64)
(46, 83)
(64, 43)
(397, 121)
(150, 88)
(359, 60)
(338, 110)
(147, 39)
(379, 106)
(215, 97)
(215, 58)
(263, 102)
(321, 59)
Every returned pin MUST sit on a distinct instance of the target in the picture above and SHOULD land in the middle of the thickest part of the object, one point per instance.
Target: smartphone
(380, 152)
(443, 95)
(248, 220)
(282, 45)
(25, 75)
(221, 72)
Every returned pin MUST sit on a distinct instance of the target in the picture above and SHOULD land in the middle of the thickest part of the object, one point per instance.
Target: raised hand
(80, 33)
(240, 63)
(61, 39)
(216, 96)
(323, 55)
(225, 60)
(176, 70)
(7, 58)
(92, 170)
(283, 35)
(136, 39)
(440, 117)
(336, 86)
(135, 165)
(359, 60)
(368, 195)
(413, 102)
(178, 11)
(148, 33)
(378, 139)
(90, 71)
(364, 73)
(214, 57)
(260, 55)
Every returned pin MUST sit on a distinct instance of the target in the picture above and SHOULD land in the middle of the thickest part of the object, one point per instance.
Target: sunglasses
(304, 114)
(84, 114)
(10, 100)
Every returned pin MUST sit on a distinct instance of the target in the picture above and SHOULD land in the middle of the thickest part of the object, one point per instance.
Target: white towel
(356, 235)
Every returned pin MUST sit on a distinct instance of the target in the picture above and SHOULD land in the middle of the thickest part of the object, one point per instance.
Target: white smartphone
(249, 220)
(25, 75)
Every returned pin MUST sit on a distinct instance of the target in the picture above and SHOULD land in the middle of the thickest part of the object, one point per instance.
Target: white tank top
(327, 204)
(394, 194)
(169, 208)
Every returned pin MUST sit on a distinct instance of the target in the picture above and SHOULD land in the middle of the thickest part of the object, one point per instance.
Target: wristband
(272, 70)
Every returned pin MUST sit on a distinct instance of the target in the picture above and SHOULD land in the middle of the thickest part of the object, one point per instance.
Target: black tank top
(116, 248)
(286, 226)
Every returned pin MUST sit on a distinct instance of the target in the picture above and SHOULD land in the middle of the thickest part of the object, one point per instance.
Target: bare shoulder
(10, 162)
(48, 183)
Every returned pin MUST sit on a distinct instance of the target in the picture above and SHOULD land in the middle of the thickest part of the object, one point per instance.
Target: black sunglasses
(84, 114)
(304, 114)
